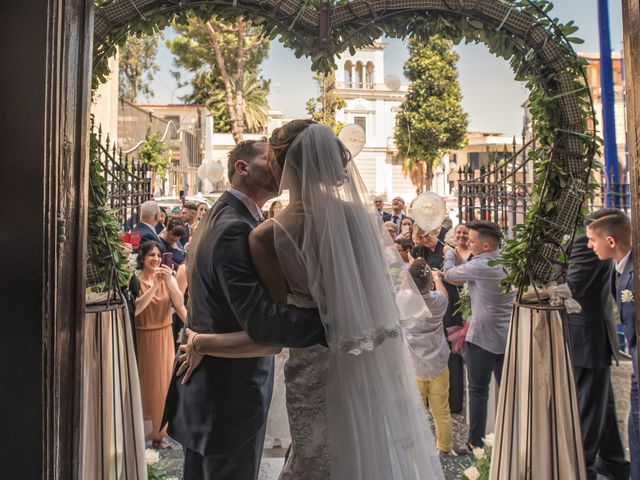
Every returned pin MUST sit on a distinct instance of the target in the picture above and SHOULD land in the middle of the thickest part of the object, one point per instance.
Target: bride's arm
(229, 345)
(225, 345)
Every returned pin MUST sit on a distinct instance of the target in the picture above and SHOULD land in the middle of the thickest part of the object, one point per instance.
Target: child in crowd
(430, 352)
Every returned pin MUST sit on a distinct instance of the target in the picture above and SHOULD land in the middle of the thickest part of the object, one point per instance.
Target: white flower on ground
(472, 473)
(152, 456)
(478, 453)
(627, 296)
(489, 439)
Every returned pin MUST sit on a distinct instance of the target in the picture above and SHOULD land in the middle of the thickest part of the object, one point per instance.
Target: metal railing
(128, 181)
(501, 193)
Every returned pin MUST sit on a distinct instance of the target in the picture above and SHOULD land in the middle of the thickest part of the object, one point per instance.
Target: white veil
(378, 429)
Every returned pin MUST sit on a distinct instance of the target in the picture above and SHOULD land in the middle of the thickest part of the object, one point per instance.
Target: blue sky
(490, 95)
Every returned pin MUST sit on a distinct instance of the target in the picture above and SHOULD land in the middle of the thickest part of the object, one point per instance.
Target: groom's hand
(187, 357)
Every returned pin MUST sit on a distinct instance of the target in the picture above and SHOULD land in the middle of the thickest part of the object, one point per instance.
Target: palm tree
(256, 105)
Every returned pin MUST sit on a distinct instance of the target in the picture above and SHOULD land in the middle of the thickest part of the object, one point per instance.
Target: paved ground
(273, 458)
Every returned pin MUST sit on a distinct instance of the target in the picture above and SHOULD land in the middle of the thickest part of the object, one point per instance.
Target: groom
(220, 415)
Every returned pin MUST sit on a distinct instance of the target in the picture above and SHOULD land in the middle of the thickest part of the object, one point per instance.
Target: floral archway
(539, 50)
(537, 47)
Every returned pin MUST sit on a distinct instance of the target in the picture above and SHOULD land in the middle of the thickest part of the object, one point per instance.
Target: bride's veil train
(378, 429)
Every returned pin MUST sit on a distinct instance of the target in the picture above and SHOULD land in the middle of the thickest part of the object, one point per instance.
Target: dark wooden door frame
(44, 93)
(631, 28)
(45, 47)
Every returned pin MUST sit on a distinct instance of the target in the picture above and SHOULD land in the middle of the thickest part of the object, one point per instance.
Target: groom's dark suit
(220, 415)
(593, 343)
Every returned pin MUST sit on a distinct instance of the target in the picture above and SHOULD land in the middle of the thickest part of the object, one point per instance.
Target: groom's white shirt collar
(252, 206)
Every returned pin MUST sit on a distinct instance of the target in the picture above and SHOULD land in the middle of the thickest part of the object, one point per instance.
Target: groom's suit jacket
(592, 331)
(224, 405)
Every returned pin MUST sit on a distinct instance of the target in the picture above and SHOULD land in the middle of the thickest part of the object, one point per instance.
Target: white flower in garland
(627, 296)
(472, 473)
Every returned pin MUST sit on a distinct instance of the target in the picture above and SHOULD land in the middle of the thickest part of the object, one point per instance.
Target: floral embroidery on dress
(306, 381)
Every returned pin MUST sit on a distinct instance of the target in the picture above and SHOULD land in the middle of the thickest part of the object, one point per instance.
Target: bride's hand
(187, 357)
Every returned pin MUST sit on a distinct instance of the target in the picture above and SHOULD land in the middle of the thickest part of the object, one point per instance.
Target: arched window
(369, 75)
(358, 77)
(348, 74)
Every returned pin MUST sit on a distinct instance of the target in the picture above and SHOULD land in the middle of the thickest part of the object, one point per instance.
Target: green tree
(431, 121)
(224, 59)
(323, 108)
(137, 66)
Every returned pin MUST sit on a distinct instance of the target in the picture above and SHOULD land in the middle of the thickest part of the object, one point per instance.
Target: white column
(208, 147)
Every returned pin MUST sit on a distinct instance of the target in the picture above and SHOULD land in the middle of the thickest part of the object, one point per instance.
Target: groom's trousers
(243, 464)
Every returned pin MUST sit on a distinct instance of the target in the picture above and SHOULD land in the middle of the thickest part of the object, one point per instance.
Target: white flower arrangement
(626, 296)
(478, 453)
(152, 456)
(489, 439)
(481, 466)
(472, 473)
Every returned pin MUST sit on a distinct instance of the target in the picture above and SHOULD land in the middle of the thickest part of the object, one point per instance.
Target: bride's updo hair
(283, 143)
(282, 138)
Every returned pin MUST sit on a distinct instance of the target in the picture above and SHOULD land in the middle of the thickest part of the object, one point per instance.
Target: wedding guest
(190, 219)
(430, 246)
(162, 220)
(491, 311)
(461, 236)
(406, 229)
(183, 285)
(593, 343)
(203, 208)
(392, 229)
(404, 248)
(274, 209)
(447, 223)
(397, 212)
(170, 239)
(149, 211)
(609, 234)
(156, 293)
(378, 203)
(429, 351)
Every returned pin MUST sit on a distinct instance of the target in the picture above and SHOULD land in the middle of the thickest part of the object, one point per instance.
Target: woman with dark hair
(354, 409)
(156, 293)
(170, 238)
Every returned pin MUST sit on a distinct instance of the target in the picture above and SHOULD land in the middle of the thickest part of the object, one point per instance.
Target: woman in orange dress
(157, 295)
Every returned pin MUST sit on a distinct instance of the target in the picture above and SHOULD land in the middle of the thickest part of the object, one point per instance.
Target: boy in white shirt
(430, 352)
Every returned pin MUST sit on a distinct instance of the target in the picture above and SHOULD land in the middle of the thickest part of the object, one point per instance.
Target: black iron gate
(128, 182)
(499, 193)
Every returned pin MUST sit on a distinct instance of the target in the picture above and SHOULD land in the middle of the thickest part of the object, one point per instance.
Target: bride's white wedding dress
(354, 408)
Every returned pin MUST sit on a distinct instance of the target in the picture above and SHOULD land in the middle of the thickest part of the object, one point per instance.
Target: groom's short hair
(245, 150)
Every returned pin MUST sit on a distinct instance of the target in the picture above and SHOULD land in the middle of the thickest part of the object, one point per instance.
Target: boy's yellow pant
(435, 394)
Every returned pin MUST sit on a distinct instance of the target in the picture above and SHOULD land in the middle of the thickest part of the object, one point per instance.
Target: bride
(354, 408)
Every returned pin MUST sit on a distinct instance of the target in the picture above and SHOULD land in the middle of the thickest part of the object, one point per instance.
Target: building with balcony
(373, 104)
